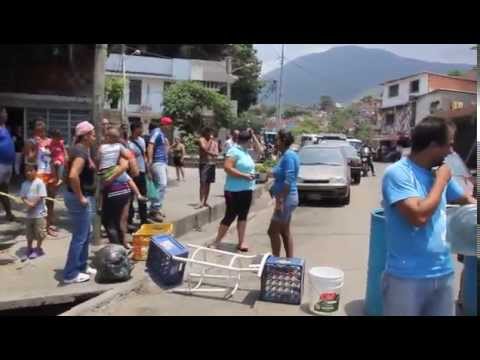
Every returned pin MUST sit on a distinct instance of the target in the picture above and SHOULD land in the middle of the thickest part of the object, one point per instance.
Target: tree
(248, 119)
(307, 126)
(326, 103)
(185, 101)
(292, 111)
(113, 90)
(246, 89)
(454, 73)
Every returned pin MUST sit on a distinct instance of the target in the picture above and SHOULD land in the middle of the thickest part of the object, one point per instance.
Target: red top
(57, 148)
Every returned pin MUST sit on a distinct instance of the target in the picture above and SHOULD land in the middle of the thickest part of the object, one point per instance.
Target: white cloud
(447, 53)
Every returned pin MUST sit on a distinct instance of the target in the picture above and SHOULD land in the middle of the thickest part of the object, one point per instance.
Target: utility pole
(98, 105)
(279, 110)
(124, 95)
(229, 73)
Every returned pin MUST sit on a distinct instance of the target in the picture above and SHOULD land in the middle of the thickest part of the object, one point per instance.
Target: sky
(447, 53)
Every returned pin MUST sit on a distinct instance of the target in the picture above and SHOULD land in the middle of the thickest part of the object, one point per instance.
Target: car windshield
(350, 151)
(356, 144)
(321, 156)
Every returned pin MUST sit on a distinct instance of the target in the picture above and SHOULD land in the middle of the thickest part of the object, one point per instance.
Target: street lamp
(124, 76)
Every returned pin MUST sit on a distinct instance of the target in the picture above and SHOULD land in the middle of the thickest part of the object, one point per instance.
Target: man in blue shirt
(418, 278)
(7, 159)
(157, 154)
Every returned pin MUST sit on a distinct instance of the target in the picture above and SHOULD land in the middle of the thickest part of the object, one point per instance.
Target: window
(434, 106)
(393, 91)
(414, 86)
(389, 119)
(135, 87)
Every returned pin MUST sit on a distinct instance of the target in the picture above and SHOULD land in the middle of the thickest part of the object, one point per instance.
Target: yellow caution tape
(19, 200)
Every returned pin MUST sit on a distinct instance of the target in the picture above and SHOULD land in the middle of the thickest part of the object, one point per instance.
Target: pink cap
(83, 128)
(166, 121)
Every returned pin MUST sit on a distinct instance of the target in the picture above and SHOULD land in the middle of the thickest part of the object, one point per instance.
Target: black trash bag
(113, 264)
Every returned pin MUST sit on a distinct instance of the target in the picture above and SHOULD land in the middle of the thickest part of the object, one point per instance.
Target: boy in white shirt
(33, 193)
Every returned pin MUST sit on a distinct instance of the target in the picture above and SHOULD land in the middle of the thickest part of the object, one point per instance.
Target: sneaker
(33, 255)
(156, 217)
(81, 277)
(91, 271)
(40, 252)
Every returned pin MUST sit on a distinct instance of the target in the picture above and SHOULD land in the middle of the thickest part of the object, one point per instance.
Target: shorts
(177, 162)
(48, 179)
(289, 206)
(207, 173)
(237, 205)
(5, 173)
(36, 229)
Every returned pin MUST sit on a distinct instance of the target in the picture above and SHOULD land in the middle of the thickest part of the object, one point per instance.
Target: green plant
(185, 101)
(261, 168)
(191, 144)
(113, 89)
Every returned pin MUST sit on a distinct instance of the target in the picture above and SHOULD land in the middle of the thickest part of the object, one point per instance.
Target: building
(53, 81)
(148, 78)
(408, 100)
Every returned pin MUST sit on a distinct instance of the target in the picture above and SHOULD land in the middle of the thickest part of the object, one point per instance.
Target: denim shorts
(289, 206)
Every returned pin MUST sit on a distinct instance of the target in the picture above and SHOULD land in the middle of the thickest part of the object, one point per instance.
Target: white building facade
(149, 77)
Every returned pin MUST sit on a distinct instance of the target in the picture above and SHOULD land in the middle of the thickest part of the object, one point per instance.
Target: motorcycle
(365, 165)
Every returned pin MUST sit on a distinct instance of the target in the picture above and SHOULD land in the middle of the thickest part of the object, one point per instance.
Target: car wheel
(357, 178)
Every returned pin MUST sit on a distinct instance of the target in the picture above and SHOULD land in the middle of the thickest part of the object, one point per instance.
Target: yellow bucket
(141, 239)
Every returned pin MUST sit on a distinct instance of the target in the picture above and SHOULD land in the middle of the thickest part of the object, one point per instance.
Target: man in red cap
(157, 156)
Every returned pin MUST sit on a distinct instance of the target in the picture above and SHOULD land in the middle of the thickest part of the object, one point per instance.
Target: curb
(206, 216)
(105, 298)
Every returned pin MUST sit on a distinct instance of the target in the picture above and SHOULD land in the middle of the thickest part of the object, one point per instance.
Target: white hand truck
(232, 270)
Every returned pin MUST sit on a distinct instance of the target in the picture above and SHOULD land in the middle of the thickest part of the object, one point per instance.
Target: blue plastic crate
(282, 280)
(160, 264)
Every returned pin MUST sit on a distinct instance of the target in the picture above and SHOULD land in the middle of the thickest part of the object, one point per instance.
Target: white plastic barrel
(325, 287)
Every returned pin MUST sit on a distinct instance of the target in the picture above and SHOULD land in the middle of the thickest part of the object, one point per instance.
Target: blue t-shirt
(7, 148)
(286, 172)
(416, 252)
(157, 138)
(243, 163)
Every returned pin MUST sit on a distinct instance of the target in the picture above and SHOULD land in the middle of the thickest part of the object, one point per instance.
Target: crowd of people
(418, 275)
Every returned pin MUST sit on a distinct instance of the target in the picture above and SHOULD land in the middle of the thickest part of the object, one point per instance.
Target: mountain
(344, 73)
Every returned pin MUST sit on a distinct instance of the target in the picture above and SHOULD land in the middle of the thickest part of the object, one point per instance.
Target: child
(57, 150)
(33, 193)
(108, 156)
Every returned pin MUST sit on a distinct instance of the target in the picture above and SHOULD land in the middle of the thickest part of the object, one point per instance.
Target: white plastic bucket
(325, 287)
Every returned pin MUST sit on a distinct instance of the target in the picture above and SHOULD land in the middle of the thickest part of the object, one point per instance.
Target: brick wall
(442, 82)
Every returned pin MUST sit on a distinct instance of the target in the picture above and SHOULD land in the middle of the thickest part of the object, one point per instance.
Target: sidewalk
(38, 282)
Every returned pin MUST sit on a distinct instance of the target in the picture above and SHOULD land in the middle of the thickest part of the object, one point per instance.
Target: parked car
(353, 159)
(324, 174)
(331, 136)
(356, 143)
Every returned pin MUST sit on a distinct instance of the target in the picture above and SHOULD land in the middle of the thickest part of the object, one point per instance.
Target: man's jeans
(159, 177)
(81, 218)
(418, 297)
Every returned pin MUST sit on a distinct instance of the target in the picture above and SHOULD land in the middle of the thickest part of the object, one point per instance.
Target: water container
(376, 264)
(470, 304)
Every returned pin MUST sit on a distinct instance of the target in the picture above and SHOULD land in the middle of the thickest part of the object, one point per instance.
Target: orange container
(141, 239)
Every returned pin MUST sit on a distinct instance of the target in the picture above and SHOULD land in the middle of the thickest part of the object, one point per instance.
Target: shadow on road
(322, 203)
(355, 308)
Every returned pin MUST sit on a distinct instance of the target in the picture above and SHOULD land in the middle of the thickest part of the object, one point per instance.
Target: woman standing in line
(239, 187)
(285, 192)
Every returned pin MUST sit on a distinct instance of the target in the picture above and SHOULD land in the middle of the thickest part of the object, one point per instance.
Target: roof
(429, 73)
(449, 90)
(468, 110)
(140, 65)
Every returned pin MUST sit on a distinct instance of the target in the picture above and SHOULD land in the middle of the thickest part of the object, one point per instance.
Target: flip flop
(242, 249)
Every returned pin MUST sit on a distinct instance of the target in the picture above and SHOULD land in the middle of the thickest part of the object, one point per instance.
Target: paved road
(324, 235)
